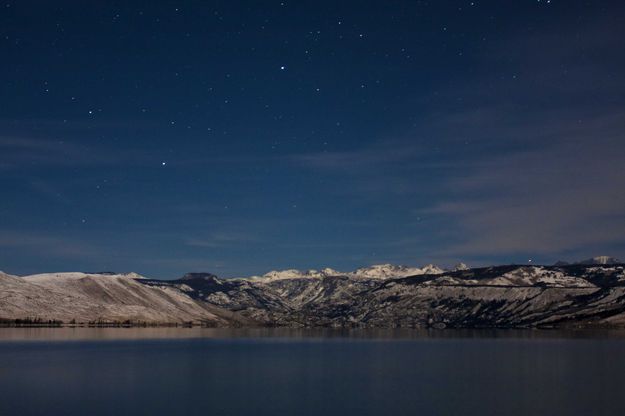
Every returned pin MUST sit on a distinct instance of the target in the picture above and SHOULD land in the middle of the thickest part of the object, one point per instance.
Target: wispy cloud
(510, 171)
(546, 182)
(565, 195)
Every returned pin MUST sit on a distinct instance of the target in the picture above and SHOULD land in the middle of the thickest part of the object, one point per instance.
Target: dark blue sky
(239, 137)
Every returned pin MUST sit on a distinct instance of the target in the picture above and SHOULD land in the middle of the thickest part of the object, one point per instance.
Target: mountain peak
(203, 276)
(460, 266)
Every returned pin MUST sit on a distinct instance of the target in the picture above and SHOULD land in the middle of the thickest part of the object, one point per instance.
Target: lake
(195, 371)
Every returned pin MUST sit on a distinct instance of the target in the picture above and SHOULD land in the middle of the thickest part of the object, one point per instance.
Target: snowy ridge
(85, 297)
(376, 296)
(523, 276)
(7, 276)
(389, 271)
(377, 271)
(390, 296)
(65, 276)
(296, 274)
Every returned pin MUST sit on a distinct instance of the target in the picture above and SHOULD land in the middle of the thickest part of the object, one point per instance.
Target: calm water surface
(279, 372)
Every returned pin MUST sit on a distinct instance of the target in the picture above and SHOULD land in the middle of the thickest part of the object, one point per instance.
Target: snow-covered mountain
(375, 296)
(296, 274)
(389, 271)
(517, 277)
(502, 296)
(377, 271)
(600, 260)
(100, 298)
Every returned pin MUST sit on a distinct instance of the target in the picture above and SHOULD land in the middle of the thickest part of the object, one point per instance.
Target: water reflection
(232, 372)
(286, 334)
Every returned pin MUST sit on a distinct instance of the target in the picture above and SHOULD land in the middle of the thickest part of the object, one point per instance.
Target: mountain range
(590, 293)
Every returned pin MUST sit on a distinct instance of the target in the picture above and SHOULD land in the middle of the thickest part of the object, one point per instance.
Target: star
(163, 163)
(283, 68)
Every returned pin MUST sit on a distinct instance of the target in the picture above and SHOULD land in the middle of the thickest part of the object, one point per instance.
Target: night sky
(239, 137)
